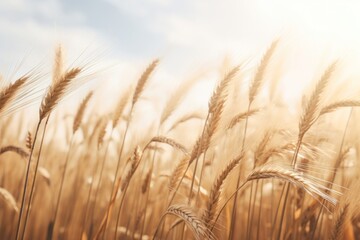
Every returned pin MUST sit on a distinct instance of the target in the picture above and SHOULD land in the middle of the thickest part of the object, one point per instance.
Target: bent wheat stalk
(289, 175)
(195, 224)
(9, 199)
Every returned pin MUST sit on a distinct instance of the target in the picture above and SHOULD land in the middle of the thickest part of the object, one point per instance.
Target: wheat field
(246, 166)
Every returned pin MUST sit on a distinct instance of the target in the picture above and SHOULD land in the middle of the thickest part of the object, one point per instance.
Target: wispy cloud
(185, 34)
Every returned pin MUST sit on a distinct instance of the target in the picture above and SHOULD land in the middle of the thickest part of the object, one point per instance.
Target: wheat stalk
(146, 182)
(289, 175)
(56, 92)
(134, 163)
(340, 221)
(80, 112)
(9, 93)
(176, 98)
(28, 141)
(58, 64)
(242, 116)
(102, 133)
(311, 110)
(220, 93)
(178, 172)
(294, 177)
(143, 79)
(339, 104)
(195, 224)
(171, 142)
(215, 192)
(260, 71)
(18, 150)
(120, 107)
(9, 199)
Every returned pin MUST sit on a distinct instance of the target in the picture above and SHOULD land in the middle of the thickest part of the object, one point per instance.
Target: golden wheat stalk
(143, 80)
(120, 107)
(242, 116)
(214, 198)
(9, 199)
(29, 141)
(185, 118)
(58, 64)
(221, 91)
(340, 221)
(170, 142)
(295, 178)
(146, 182)
(178, 172)
(339, 104)
(134, 163)
(102, 133)
(176, 98)
(80, 112)
(56, 92)
(260, 71)
(138, 90)
(289, 175)
(18, 150)
(311, 110)
(9, 93)
(195, 224)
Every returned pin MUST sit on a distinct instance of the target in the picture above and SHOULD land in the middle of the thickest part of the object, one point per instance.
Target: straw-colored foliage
(244, 167)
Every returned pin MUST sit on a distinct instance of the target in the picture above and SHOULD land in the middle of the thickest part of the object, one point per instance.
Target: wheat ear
(294, 177)
(146, 182)
(120, 107)
(56, 92)
(80, 112)
(195, 224)
(171, 142)
(242, 116)
(176, 98)
(29, 141)
(311, 110)
(340, 104)
(9, 93)
(178, 172)
(143, 79)
(290, 175)
(215, 192)
(9, 199)
(135, 161)
(216, 107)
(18, 150)
(58, 64)
(338, 230)
(260, 71)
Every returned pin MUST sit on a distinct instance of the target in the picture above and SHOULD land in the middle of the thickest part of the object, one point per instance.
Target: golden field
(248, 165)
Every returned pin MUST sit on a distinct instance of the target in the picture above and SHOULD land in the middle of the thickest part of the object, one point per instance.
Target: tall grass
(244, 167)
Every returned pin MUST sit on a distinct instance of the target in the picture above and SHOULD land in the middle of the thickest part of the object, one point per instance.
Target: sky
(186, 35)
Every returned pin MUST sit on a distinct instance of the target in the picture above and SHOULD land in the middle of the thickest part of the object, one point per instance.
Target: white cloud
(192, 32)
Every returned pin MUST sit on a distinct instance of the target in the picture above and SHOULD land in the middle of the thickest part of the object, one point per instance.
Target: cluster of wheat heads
(254, 170)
